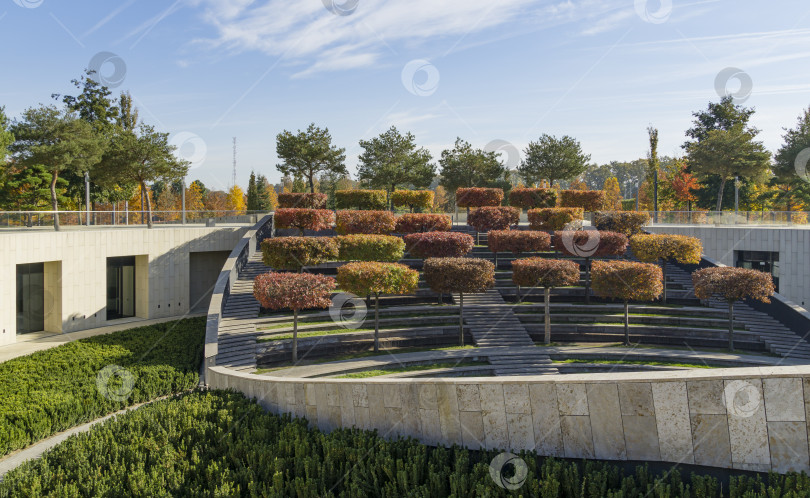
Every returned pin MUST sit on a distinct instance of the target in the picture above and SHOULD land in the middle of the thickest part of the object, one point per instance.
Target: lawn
(412, 368)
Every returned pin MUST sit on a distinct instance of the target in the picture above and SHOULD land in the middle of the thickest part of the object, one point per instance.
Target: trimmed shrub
(530, 198)
(423, 222)
(546, 273)
(305, 200)
(53, 390)
(554, 218)
(293, 253)
(517, 241)
(294, 291)
(626, 222)
(438, 244)
(590, 243)
(628, 204)
(304, 219)
(627, 281)
(733, 284)
(363, 247)
(374, 279)
(589, 200)
(479, 197)
(484, 219)
(448, 275)
(360, 199)
(649, 248)
(368, 222)
(413, 199)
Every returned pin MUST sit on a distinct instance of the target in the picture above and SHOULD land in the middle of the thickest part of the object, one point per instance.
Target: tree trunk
(587, 280)
(720, 194)
(626, 324)
(295, 337)
(143, 202)
(664, 271)
(496, 261)
(440, 298)
(148, 206)
(54, 201)
(519, 298)
(311, 184)
(377, 323)
(547, 316)
(731, 325)
(461, 318)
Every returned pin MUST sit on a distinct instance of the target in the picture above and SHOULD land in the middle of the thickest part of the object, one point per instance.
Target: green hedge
(54, 390)
(220, 444)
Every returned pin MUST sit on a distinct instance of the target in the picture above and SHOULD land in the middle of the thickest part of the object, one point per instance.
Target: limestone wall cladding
(744, 418)
(792, 244)
(162, 267)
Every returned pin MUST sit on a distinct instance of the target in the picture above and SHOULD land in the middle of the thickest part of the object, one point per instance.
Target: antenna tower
(233, 180)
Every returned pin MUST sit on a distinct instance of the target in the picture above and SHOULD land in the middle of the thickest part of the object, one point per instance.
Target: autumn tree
(733, 284)
(309, 153)
(545, 273)
(236, 199)
(374, 279)
(294, 291)
(627, 281)
(684, 184)
(613, 194)
(650, 248)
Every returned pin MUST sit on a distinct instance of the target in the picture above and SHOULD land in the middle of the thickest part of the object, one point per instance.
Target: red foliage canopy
(732, 284)
(371, 222)
(589, 200)
(479, 197)
(528, 198)
(459, 274)
(306, 200)
(627, 280)
(304, 219)
(518, 241)
(438, 244)
(484, 219)
(295, 291)
(590, 243)
(423, 222)
(542, 272)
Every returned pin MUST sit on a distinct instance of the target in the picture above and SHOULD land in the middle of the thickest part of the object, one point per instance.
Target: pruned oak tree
(651, 248)
(545, 273)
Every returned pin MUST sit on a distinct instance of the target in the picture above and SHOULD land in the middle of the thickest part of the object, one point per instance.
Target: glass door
(120, 287)
(30, 298)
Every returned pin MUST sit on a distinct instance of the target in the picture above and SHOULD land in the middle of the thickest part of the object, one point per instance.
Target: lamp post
(183, 198)
(87, 195)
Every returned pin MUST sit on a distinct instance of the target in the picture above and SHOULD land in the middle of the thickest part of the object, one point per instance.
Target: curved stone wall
(742, 418)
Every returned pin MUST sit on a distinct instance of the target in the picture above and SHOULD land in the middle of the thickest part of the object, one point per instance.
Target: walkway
(32, 343)
(493, 324)
(237, 330)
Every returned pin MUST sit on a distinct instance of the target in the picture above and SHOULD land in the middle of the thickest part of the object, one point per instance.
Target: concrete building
(782, 251)
(78, 279)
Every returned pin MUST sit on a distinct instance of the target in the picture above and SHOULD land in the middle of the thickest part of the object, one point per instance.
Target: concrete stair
(237, 330)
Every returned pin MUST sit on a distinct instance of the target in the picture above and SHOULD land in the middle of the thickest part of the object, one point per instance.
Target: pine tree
(252, 193)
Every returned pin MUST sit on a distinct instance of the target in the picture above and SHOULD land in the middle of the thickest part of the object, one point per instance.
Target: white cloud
(306, 33)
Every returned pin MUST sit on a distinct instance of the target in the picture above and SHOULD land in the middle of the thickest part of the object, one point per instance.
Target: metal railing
(762, 218)
(31, 219)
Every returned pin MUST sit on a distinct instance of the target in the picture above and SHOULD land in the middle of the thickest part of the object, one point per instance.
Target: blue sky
(484, 70)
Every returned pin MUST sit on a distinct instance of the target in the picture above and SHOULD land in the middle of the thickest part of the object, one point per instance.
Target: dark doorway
(766, 261)
(30, 298)
(120, 287)
(204, 269)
